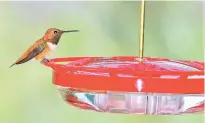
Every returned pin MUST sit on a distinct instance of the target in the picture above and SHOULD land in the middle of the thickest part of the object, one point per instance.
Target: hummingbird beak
(70, 31)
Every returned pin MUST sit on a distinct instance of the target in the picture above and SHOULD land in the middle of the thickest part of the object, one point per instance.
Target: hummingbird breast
(51, 46)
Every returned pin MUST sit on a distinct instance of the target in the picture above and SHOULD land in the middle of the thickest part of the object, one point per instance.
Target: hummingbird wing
(33, 51)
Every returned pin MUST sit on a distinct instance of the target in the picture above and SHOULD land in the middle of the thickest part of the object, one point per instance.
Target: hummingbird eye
(55, 32)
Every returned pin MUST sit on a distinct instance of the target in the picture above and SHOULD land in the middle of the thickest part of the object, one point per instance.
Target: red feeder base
(128, 85)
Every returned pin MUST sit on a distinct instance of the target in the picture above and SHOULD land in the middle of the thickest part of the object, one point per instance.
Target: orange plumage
(42, 47)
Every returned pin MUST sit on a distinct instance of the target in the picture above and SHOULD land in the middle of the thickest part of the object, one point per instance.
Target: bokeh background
(27, 95)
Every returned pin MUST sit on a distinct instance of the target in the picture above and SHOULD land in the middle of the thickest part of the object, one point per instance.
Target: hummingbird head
(53, 35)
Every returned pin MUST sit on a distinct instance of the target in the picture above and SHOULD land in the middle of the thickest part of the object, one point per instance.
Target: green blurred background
(173, 30)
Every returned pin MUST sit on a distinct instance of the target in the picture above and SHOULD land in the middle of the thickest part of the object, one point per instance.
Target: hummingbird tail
(12, 65)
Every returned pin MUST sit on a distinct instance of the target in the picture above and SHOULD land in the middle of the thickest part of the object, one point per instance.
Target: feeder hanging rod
(142, 20)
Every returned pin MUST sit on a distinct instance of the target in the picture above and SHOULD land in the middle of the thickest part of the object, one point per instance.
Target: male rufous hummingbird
(42, 47)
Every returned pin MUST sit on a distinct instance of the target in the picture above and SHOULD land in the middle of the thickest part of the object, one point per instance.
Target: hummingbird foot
(44, 60)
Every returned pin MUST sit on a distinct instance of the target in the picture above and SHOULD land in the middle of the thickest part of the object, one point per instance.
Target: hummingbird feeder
(129, 84)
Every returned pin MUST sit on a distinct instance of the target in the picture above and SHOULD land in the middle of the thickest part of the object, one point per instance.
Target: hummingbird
(42, 47)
